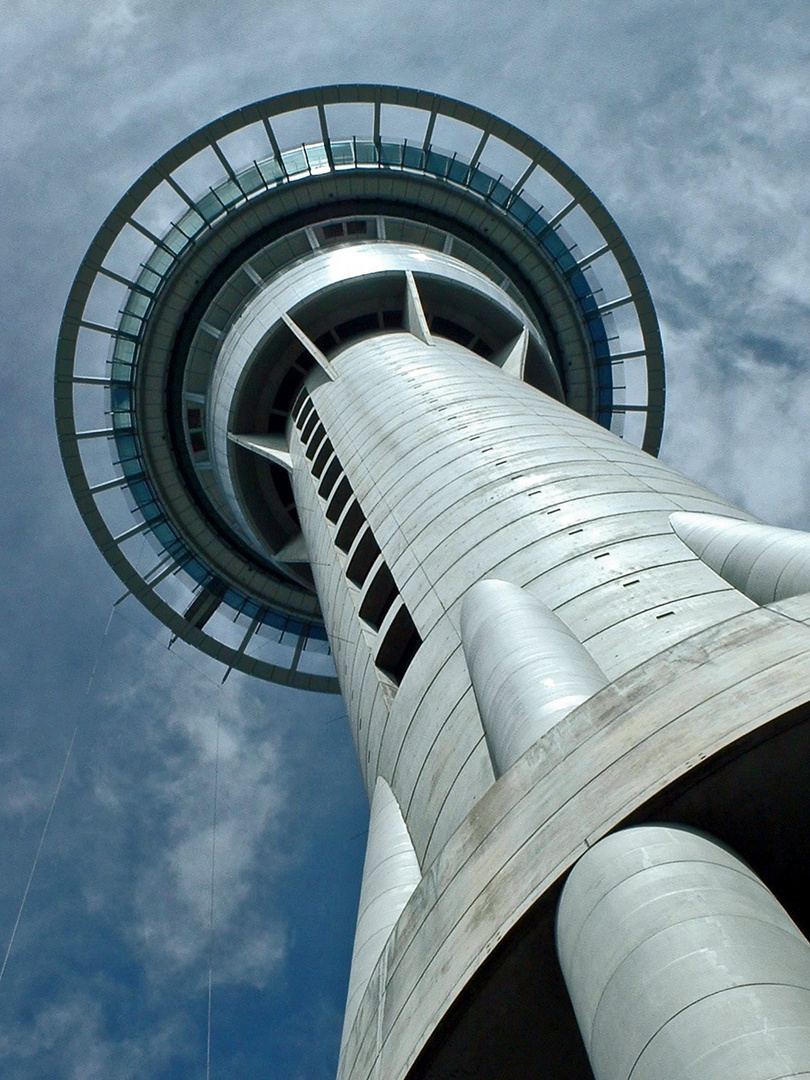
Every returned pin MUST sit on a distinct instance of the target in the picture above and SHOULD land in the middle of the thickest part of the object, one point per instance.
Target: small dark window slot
(309, 426)
(351, 525)
(333, 231)
(197, 441)
(306, 409)
(399, 646)
(330, 478)
(363, 558)
(343, 492)
(320, 461)
(380, 595)
(315, 441)
(392, 320)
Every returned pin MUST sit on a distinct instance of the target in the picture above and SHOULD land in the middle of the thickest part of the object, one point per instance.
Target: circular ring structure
(201, 234)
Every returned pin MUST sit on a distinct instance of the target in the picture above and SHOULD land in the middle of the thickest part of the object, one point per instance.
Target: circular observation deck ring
(184, 245)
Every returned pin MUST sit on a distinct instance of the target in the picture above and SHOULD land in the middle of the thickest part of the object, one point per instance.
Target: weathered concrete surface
(680, 963)
(590, 773)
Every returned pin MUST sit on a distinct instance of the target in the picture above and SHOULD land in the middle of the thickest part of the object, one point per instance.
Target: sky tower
(383, 384)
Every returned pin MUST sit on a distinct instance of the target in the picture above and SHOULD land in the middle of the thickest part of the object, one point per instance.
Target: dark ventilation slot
(448, 329)
(392, 320)
(326, 341)
(286, 391)
(351, 525)
(281, 478)
(306, 409)
(365, 555)
(315, 441)
(329, 478)
(320, 461)
(343, 492)
(380, 595)
(197, 440)
(360, 324)
(309, 426)
(300, 399)
(399, 646)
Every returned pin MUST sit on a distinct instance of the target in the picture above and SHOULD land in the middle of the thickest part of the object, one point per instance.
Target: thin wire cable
(211, 906)
(52, 806)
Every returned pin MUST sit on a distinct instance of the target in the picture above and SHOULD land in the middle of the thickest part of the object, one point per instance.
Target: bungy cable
(38, 852)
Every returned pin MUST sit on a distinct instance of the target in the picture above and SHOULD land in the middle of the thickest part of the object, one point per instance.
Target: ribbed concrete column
(528, 669)
(390, 874)
(680, 963)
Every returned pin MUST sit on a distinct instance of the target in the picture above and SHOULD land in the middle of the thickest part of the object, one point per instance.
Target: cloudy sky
(689, 118)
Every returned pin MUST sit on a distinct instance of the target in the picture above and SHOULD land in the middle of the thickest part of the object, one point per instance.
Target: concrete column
(681, 965)
(390, 874)
(528, 670)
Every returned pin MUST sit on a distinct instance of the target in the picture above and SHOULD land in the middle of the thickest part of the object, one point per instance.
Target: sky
(691, 121)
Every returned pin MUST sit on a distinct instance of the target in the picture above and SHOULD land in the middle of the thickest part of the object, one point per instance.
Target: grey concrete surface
(680, 963)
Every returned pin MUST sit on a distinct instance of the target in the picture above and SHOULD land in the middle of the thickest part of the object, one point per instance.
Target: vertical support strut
(681, 965)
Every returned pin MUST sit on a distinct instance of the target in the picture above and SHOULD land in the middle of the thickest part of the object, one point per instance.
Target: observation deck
(304, 220)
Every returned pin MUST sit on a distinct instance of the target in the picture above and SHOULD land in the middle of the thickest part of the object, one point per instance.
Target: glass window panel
(458, 171)
(316, 156)
(229, 192)
(391, 153)
(209, 206)
(295, 162)
(130, 324)
(343, 152)
(271, 170)
(436, 163)
(251, 179)
(366, 153)
(191, 222)
(414, 158)
(137, 303)
(160, 261)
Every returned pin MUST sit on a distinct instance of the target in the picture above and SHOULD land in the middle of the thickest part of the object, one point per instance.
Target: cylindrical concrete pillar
(681, 965)
(390, 874)
(528, 670)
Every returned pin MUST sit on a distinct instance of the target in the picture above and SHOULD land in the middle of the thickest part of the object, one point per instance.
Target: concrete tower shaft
(450, 471)
(388, 418)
